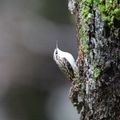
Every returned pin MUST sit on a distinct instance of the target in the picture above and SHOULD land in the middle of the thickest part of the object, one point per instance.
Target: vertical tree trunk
(99, 33)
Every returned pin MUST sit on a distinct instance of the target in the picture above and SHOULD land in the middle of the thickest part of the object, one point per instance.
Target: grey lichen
(71, 6)
(99, 37)
(91, 31)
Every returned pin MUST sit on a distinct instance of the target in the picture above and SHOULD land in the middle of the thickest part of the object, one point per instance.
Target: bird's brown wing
(68, 69)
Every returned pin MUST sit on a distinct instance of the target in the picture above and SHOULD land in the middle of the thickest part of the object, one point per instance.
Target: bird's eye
(56, 52)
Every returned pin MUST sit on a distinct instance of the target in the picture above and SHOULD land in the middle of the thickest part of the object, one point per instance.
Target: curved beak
(56, 44)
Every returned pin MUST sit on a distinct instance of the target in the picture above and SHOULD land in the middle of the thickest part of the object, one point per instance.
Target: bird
(66, 63)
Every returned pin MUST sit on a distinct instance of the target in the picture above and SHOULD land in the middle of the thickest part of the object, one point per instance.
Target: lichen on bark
(100, 41)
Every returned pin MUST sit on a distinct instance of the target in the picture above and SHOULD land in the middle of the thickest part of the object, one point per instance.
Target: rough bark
(99, 35)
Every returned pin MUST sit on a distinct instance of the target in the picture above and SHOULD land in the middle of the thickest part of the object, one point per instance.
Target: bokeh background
(31, 85)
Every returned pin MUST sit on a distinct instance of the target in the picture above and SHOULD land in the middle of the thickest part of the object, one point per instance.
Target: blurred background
(31, 85)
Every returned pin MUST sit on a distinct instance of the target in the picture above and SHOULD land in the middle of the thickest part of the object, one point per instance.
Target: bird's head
(56, 54)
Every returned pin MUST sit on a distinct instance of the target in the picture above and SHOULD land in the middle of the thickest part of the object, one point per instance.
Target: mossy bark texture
(100, 38)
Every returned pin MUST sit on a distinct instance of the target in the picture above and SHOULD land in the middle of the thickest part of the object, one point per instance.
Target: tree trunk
(99, 41)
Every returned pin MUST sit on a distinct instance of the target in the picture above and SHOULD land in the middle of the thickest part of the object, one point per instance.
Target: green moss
(116, 13)
(85, 18)
(110, 10)
(84, 37)
(96, 73)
